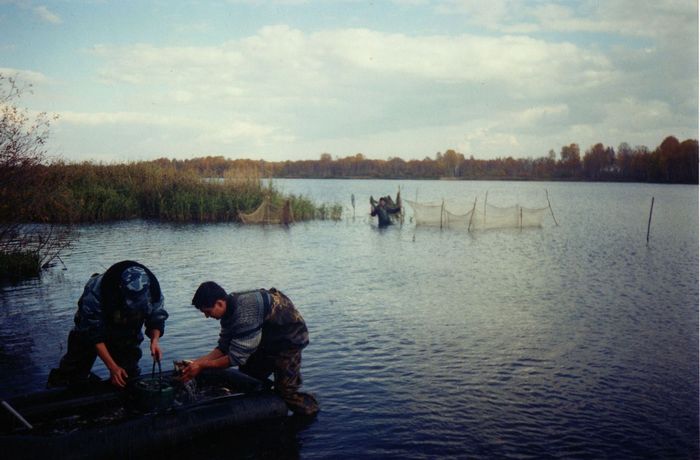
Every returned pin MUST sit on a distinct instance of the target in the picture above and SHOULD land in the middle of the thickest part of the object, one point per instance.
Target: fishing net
(511, 217)
(269, 213)
(478, 218)
(452, 220)
(427, 213)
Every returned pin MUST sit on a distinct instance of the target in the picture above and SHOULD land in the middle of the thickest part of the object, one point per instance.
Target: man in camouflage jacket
(111, 312)
(383, 208)
(262, 333)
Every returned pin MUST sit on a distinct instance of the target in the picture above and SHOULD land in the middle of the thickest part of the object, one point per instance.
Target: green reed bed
(329, 212)
(101, 193)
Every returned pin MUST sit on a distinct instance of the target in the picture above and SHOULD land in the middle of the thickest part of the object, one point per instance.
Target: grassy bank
(148, 190)
(18, 265)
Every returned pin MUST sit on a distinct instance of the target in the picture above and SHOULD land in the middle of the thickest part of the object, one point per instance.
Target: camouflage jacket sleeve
(156, 318)
(90, 320)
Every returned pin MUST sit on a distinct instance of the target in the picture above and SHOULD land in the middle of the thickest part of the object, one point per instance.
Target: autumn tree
(597, 161)
(28, 192)
(570, 162)
(452, 162)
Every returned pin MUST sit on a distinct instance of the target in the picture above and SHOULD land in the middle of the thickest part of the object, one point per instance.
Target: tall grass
(18, 265)
(149, 190)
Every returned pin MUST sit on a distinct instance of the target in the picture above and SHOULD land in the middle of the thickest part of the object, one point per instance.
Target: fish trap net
(478, 218)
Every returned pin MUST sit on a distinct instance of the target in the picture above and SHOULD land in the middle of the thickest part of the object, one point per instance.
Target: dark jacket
(101, 315)
(382, 212)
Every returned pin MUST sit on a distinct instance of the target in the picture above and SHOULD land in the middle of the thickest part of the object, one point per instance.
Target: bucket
(153, 393)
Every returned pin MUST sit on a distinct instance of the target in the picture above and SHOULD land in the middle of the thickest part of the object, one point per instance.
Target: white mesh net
(478, 217)
(452, 220)
(511, 217)
(427, 213)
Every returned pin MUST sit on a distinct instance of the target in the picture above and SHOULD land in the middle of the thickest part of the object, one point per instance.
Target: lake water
(569, 341)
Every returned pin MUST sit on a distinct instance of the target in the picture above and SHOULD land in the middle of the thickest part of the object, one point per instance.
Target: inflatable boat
(96, 420)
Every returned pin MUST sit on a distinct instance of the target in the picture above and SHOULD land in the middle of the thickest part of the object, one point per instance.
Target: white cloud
(285, 64)
(24, 76)
(619, 17)
(242, 131)
(285, 89)
(537, 115)
(111, 118)
(193, 133)
(45, 15)
(630, 113)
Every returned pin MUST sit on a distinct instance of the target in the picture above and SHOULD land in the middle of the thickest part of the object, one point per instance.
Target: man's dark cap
(135, 288)
(207, 294)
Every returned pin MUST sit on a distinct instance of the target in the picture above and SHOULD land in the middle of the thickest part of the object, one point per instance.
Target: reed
(149, 190)
(18, 265)
(329, 212)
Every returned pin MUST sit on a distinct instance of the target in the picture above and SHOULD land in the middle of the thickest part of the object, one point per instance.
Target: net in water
(444, 215)
(269, 213)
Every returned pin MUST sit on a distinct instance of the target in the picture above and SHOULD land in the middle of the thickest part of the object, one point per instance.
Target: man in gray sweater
(262, 333)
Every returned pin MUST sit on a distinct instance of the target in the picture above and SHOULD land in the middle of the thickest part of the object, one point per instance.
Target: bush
(18, 265)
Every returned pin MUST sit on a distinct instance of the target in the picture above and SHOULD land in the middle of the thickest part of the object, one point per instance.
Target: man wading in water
(262, 333)
(383, 209)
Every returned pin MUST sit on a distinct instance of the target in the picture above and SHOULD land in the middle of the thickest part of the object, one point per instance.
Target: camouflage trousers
(286, 367)
(74, 367)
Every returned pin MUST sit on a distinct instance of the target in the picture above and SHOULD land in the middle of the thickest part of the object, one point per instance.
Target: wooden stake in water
(471, 216)
(550, 208)
(521, 218)
(485, 200)
(442, 212)
(649, 224)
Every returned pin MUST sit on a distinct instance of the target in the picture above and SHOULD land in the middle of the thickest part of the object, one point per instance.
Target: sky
(293, 79)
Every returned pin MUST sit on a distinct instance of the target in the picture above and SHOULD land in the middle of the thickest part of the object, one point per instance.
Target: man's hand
(191, 371)
(156, 353)
(118, 376)
(155, 350)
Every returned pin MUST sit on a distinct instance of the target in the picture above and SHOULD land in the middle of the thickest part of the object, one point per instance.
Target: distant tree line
(671, 162)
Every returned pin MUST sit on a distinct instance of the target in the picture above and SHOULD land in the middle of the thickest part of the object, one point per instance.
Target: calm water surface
(569, 341)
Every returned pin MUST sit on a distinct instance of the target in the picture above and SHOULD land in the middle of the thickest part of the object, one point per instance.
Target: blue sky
(292, 79)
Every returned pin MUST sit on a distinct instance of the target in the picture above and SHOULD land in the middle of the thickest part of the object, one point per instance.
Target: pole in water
(649, 224)
(521, 218)
(442, 212)
(485, 200)
(471, 216)
(550, 208)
